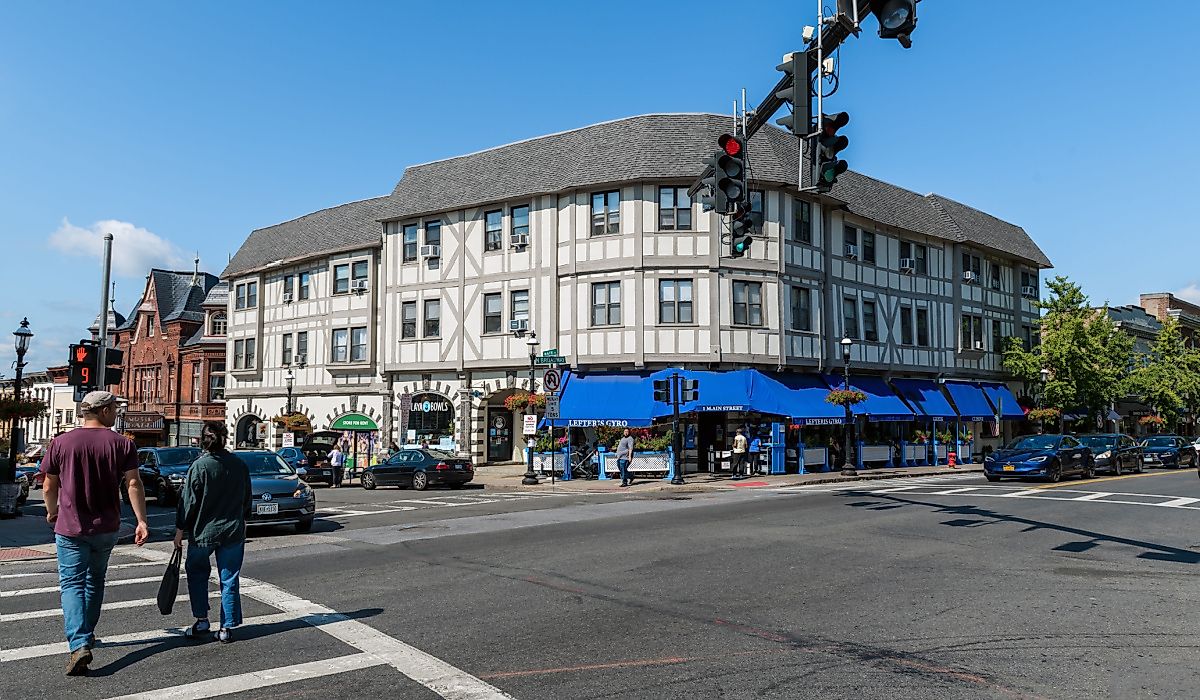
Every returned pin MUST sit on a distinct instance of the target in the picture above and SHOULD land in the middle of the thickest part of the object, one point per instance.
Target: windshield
(438, 454)
(1034, 442)
(265, 464)
(178, 455)
(1160, 442)
(1098, 441)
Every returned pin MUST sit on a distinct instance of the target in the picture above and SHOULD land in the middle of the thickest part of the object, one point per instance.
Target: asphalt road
(946, 587)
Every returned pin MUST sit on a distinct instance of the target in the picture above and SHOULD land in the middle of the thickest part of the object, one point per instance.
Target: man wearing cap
(84, 470)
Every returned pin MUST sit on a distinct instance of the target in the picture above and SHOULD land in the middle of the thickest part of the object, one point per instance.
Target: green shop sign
(354, 421)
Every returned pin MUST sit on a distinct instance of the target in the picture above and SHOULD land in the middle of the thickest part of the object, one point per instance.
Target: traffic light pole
(101, 360)
(676, 438)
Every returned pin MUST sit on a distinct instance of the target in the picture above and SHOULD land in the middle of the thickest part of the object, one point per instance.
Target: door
(500, 437)
(1071, 455)
(389, 471)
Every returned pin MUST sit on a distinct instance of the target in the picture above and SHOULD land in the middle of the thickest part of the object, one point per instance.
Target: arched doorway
(500, 421)
(250, 432)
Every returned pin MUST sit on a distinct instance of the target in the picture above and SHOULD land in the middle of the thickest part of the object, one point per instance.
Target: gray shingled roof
(984, 229)
(176, 298)
(336, 228)
(218, 295)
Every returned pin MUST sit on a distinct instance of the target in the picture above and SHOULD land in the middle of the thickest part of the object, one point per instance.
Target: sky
(180, 127)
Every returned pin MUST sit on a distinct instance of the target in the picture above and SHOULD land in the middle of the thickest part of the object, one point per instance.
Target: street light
(530, 477)
(290, 378)
(1044, 373)
(21, 338)
(847, 465)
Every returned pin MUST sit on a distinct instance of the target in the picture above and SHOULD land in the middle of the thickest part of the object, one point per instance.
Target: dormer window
(218, 324)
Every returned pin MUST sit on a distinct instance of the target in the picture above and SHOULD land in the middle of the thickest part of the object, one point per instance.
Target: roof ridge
(325, 209)
(959, 234)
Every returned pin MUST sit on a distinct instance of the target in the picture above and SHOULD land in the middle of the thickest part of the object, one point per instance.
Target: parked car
(33, 474)
(163, 471)
(279, 496)
(316, 449)
(295, 459)
(23, 484)
(1115, 452)
(419, 468)
(1168, 451)
(1047, 456)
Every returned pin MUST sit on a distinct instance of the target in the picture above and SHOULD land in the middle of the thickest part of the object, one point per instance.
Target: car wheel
(420, 481)
(1117, 468)
(1055, 476)
(1139, 469)
(991, 477)
(368, 481)
(1089, 471)
(304, 525)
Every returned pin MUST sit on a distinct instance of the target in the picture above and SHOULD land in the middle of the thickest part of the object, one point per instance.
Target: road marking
(1095, 495)
(894, 489)
(259, 679)
(112, 567)
(1019, 494)
(118, 605)
(430, 501)
(1105, 478)
(56, 589)
(948, 492)
(1175, 503)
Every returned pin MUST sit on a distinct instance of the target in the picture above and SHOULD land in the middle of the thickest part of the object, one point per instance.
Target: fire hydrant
(951, 460)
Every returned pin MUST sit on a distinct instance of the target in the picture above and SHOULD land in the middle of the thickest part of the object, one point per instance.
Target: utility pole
(101, 360)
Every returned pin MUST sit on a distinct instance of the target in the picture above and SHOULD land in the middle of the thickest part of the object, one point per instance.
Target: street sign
(289, 439)
(549, 360)
(529, 424)
(552, 407)
(551, 380)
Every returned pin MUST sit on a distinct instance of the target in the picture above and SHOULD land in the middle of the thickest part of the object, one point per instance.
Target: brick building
(1164, 305)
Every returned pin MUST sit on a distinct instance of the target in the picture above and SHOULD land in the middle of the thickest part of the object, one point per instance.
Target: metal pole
(530, 478)
(14, 436)
(847, 465)
(676, 439)
(101, 360)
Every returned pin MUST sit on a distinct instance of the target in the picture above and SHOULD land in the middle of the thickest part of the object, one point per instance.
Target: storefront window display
(430, 420)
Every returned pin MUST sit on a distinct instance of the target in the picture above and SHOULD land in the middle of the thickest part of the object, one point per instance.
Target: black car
(1047, 456)
(315, 451)
(1115, 452)
(1168, 451)
(279, 497)
(419, 468)
(163, 471)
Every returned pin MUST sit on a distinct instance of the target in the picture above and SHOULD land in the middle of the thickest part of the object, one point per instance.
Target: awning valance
(971, 402)
(1003, 402)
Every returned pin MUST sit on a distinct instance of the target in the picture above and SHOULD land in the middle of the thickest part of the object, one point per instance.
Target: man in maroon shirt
(84, 469)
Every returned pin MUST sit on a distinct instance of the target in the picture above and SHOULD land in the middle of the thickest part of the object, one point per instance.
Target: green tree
(1167, 379)
(1087, 356)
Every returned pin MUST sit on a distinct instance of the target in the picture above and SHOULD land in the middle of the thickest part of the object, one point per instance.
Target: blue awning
(615, 399)
(926, 397)
(882, 404)
(1004, 404)
(721, 391)
(970, 401)
(804, 399)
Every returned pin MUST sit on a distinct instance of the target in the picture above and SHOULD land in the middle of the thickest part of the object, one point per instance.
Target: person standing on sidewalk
(740, 445)
(212, 513)
(84, 469)
(337, 460)
(624, 456)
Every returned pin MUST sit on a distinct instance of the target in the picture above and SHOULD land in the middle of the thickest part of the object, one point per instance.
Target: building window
(606, 213)
(520, 221)
(358, 344)
(220, 324)
(243, 354)
(341, 279)
(997, 337)
(923, 327)
(972, 332)
(493, 313)
(849, 317)
(1027, 337)
(870, 322)
(410, 243)
(302, 347)
(972, 264)
(216, 381)
(801, 309)
(433, 318)
(340, 345)
(675, 301)
(519, 305)
(868, 247)
(757, 200)
(906, 325)
(493, 230)
(994, 276)
(197, 383)
(1029, 283)
(408, 319)
(286, 345)
(239, 299)
(747, 303)
(433, 233)
(917, 253)
(289, 286)
(305, 286)
(674, 209)
(252, 295)
(150, 325)
(802, 221)
(606, 304)
(359, 271)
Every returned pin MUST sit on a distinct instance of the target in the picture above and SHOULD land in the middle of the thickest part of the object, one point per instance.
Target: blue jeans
(82, 566)
(229, 570)
(623, 466)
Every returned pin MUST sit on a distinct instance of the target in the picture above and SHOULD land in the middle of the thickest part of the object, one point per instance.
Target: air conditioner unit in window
(519, 240)
(301, 360)
(970, 277)
(287, 297)
(908, 266)
(518, 325)
(851, 251)
(1029, 292)
(358, 286)
(431, 251)
(978, 344)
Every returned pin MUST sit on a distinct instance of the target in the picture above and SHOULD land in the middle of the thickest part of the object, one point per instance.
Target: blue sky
(183, 126)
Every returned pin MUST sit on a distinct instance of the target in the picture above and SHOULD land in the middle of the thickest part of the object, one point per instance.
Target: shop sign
(583, 423)
(724, 408)
(820, 421)
(143, 421)
(431, 406)
(354, 421)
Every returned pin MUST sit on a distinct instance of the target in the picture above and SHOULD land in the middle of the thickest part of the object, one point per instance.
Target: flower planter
(642, 463)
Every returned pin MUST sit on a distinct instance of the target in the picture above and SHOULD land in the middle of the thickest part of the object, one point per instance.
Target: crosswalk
(138, 648)
(342, 512)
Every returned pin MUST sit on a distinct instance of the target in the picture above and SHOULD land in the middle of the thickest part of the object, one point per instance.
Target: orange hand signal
(80, 354)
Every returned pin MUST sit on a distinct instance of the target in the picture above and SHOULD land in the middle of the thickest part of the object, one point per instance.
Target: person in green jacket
(212, 514)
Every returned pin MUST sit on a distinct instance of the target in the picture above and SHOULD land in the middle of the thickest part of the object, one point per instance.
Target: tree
(1086, 354)
(1167, 378)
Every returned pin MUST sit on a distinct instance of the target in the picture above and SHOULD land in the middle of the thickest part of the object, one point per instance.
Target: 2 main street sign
(550, 357)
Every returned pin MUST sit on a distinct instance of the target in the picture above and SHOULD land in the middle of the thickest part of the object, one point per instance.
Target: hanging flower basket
(845, 397)
(1152, 421)
(1042, 414)
(521, 400)
(11, 408)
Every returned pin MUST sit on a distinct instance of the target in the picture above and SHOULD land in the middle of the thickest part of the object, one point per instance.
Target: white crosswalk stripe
(55, 589)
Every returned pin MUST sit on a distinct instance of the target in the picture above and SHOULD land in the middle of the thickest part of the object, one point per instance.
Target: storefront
(360, 436)
(146, 427)
(430, 421)
(297, 425)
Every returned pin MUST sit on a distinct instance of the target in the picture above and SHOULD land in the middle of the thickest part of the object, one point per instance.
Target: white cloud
(135, 249)
(1189, 293)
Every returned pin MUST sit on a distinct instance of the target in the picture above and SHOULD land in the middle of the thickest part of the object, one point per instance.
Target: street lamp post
(530, 477)
(1045, 375)
(290, 378)
(847, 465)
(21, 336)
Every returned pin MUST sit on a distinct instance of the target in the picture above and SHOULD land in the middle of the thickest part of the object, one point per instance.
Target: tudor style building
(589, 240)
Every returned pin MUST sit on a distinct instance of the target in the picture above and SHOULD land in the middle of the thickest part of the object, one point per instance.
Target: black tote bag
(169, 588)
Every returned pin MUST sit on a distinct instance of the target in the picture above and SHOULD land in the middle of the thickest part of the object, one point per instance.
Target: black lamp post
(1045, 375)
(530, 477)
(21, 336)
(848, 465)
(290, 378)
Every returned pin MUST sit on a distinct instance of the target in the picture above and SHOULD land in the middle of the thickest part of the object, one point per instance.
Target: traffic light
(689, 390)
(662, 390)
(112, 375)
(728, 180)
(827, 166)
(743, 224)
(897, 19)
(795, 64)
(81, 366)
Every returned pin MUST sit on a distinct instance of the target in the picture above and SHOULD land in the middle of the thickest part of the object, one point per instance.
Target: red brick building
(174, 358)
(1164, 305)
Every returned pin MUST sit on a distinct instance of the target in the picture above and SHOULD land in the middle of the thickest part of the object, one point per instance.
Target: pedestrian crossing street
(937, 486)
(284, 639)
(342, 512)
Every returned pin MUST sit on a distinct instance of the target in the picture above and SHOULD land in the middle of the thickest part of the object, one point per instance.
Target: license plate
(1009, 468)
(1147, 459)
(458, 467)
(267, 509)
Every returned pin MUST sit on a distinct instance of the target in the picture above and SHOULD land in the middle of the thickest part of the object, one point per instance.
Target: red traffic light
(732, 145)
